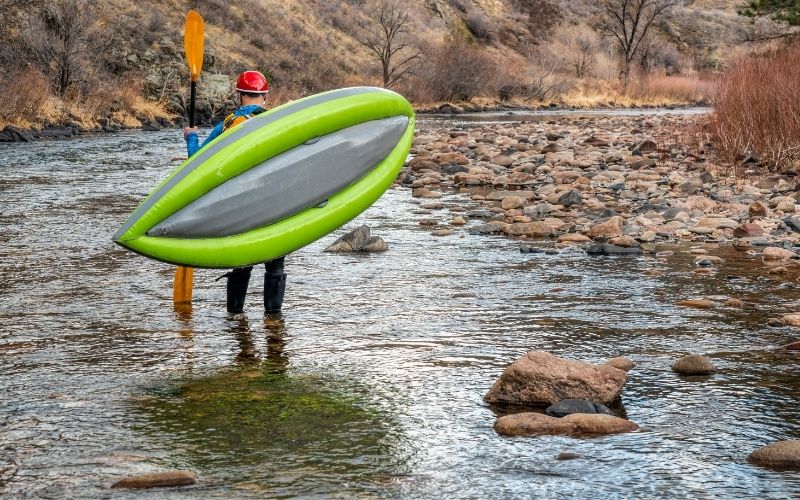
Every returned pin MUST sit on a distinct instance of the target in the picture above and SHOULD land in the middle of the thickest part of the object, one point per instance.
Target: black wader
(274, 287)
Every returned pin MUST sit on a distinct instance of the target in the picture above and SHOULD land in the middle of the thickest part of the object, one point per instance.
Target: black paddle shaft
(191, 104)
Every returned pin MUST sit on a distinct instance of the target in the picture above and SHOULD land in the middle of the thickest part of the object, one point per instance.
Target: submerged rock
(539, 378)
(358, 240)
(609, 249)
(577, 424)
(569, 406)
(782, 454)
(158, 480)
(793, 346)
(696, 303)
(566, 455)
(621, 362)
(776, 253)
(694, 364)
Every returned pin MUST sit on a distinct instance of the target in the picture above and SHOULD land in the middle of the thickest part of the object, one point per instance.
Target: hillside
(127, 64)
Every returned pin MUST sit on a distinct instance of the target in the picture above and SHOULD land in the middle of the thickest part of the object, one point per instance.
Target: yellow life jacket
(232, 120)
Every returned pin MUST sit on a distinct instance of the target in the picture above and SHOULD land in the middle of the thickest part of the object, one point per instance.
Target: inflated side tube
(277, 182)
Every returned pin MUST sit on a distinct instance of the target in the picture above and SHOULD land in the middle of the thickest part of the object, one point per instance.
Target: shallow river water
(372, 382)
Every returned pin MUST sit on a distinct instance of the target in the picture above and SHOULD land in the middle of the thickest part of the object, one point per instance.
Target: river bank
(627, 183)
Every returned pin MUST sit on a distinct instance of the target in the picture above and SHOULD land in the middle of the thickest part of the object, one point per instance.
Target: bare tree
(627, 22)
(386, 38)
(57, 37)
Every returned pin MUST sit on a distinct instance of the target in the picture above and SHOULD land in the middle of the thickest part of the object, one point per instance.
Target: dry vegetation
(115, 63)
(757, 109)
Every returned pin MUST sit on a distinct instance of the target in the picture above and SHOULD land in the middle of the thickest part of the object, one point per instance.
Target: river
(371, 385)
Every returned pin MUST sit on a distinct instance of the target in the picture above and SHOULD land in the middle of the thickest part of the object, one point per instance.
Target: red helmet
(252, 82)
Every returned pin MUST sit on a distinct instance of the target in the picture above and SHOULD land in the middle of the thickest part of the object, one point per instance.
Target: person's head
(252, 87)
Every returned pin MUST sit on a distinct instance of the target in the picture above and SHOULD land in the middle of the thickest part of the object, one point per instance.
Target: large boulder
(577, 424)
(783, 454)
(539, 378)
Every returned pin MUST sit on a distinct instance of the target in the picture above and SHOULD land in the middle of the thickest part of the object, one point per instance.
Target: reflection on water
(259, 418)
(372, 381)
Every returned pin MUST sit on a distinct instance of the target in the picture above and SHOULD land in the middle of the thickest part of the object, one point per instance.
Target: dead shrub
(24, 95)
(756, 108)
(673, 89)
(480, 25)
(454, 70)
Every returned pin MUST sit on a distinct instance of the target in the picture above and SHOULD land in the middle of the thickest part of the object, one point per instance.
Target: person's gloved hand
(187, 131)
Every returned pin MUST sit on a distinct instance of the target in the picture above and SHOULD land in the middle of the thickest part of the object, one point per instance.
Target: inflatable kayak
(277, 182)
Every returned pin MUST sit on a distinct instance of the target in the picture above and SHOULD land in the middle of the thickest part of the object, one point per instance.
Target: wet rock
(793, 224)
(648, 237)
(569, 406)
(694, 364)
(15, 134)
(566, 455)
(428, 222)
(734, 302)
(782, 454)
(794, 346)
(791, 320)
(458, 221)
(358, 240)
(608, 249)
(570, 198)
(489, 228)
(778, 270)
(573, 238)
(776, 253)
(621, 363)
(615, 226)
(696, 303)
(539, 378)
(530, 249)
(577, 424)
(624, 241)
(425, 193)
(748, 230)
(443, 232)
(158, 480)
(533, 229)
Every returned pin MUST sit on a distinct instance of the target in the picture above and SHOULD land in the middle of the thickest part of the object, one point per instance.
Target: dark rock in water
(570, 198)
(358, 240)
(158, 480)
(153, 126)
(792, 223)
(608, 249)
(484, 229)
(455, 169)
(569, 406)
(566, 455)
(480, 214)
(694, 364)
(15, 134)
(781, 455)
(530, 249)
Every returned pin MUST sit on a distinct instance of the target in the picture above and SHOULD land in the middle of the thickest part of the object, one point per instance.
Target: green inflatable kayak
(277, 182)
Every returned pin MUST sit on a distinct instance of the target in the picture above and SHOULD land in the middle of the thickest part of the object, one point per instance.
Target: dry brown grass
(23, 97)
(757, 109)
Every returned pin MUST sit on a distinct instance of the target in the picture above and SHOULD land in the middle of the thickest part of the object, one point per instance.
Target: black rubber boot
(238, 279)
(274, 289)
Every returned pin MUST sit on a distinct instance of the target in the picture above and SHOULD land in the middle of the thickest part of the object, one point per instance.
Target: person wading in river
(252, 87)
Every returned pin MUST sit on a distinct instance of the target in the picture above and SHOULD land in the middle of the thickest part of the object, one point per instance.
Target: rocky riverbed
(612, 185)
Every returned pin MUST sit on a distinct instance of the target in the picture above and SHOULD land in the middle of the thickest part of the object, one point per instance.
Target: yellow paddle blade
(182, 288)
(193, 38)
